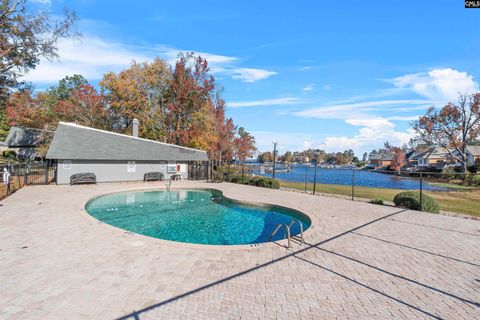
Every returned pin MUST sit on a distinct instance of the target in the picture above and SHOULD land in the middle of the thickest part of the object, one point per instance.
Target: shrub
(377, 201)
(474, 169)
(274, 184)
(476, 180)
(411, 200)
(236, 179)
(262, 183)
(9, 154)
(258, 181)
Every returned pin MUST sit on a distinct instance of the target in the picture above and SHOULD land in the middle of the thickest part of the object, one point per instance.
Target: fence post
(353, 184)
(243, 171)
(8, 184)
(421, 191)
(306, 169)
(25, 175)
(46, 173)
(315, 178)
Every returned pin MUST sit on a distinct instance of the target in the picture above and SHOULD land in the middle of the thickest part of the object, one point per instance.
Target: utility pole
(274, 159)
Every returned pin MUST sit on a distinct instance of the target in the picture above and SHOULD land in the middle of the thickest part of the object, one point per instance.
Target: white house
(115, 157)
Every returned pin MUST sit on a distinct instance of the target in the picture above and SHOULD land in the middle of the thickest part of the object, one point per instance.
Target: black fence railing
(454, 191)
(199, 170)
(14, 176)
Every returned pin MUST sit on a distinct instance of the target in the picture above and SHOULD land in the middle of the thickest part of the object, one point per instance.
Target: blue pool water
(194, 216)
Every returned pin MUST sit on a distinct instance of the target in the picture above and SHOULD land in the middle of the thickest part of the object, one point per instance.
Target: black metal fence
(454, 191)
(14, 176)
(200, 170)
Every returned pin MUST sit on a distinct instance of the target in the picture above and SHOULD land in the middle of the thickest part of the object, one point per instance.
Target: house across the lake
(439, 158)
(116, 157)
(473, 155)
(380, 161)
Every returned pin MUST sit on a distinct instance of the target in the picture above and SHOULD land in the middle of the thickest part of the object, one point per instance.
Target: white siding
(113, 171)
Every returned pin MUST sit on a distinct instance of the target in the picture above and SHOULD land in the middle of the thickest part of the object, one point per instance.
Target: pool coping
(282, 243)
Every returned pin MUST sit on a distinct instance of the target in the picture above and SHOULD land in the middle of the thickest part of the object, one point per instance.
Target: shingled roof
(75, 142)
(474, 150)
(23, 137)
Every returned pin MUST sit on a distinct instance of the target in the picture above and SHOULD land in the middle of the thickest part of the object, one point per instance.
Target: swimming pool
(202, 216)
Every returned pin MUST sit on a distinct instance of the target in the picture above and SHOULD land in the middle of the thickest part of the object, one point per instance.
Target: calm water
(194, 216)
(344, 177)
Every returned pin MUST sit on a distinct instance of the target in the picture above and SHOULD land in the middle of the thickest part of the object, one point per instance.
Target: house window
(67, 164)
(131, 166)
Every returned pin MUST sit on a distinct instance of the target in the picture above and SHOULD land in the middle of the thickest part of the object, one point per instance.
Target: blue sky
(323, 74)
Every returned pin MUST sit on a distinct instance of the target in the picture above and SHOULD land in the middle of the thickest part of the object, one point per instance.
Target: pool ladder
(168, 185)
(287, 231)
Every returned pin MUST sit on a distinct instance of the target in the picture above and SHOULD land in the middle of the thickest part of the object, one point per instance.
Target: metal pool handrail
(301, 227)
(168, 185)
(287, 228)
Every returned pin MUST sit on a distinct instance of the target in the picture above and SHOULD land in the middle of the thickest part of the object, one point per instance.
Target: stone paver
(361, 261)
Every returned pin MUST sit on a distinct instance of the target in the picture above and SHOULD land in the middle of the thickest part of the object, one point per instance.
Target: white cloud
(359, 109)
(327, 87)
(308, 88)
(42, 1)
(373, 133)
(250, 74)
(264, 102)
(93, 56)
(438, 84)
(305, 68)
(90, 56)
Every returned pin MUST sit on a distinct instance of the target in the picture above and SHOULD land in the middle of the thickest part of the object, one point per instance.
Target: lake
(344, 177)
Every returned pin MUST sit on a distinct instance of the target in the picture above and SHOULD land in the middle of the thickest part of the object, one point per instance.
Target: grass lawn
(466, 201)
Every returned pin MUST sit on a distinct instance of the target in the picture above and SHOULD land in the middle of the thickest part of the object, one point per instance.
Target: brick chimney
(135, 124)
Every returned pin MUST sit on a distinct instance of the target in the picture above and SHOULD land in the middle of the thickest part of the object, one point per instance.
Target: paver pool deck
(361, 261)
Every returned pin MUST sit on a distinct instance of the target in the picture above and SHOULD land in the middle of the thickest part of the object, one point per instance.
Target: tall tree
(398, 154)
(65, 86)
(452, 127)
(245, 145)
(288, 157)
(26, 110)
(189, 95)
(84, 105)
(139, 92)
(265, 157)
(221, 143)
(25, 37)
(349, 155)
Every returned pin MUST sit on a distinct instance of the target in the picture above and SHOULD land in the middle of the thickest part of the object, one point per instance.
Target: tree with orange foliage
(138, 92)
(452, 127)
(23, 109)
(398, 160)
(189, 101)
(244, 145)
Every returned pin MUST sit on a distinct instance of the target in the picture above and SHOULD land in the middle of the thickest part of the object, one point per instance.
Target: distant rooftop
(23, 137)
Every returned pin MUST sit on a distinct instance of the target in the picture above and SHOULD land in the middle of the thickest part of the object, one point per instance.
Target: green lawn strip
(461, 201)
(452, 186)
